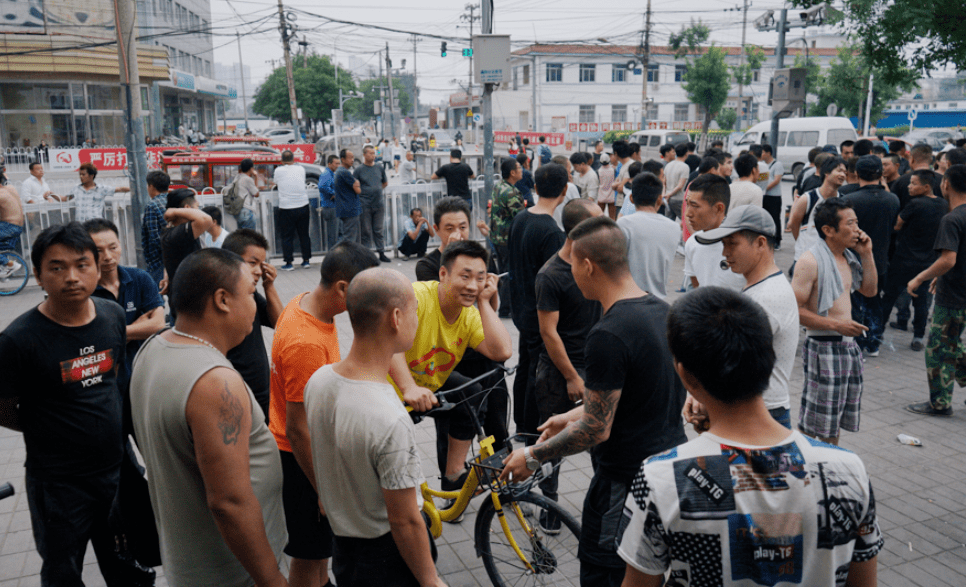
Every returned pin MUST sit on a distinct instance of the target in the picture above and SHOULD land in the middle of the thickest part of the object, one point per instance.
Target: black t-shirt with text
(628, 350)
(250, 359)
(66, 380)
(951, 289)
(558, 292)
(457, 176)
(534, 238)
(921, 219)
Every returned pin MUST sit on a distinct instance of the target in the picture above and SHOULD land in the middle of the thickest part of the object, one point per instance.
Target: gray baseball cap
(750, 217)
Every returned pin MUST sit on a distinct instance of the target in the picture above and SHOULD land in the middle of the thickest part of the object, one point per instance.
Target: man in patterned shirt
(153, 224)
(88, 196)
(747, 502)
(506, 204)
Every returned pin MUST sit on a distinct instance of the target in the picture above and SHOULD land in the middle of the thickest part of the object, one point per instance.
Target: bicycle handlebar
(441, 396)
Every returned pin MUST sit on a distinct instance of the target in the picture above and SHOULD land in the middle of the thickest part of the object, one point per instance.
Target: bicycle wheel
(13, 278)
(552, 556)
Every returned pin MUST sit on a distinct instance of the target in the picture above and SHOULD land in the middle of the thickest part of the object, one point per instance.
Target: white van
(651, 141)
(797, 136)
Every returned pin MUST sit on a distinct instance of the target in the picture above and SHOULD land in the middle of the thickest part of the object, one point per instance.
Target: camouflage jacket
(506, 204)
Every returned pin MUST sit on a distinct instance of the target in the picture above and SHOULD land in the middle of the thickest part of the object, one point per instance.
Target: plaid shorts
(832, 395)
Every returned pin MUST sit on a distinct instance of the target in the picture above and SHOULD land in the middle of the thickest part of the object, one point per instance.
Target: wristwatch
(532, 463)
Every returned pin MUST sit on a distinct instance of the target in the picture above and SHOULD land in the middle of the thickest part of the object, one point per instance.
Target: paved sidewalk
(921, 506)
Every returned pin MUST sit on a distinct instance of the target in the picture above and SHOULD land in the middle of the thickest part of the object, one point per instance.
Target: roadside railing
(400, 199)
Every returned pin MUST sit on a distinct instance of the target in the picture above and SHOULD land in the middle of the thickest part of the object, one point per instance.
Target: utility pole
(741, 63)
(487, 108)
(645, 59)
(779, 63)
(382, 98)
(241, 76)
(533, 94)
(868, 106)
(284, 27)
(415, 39)
(470, 18)
(392, 115)
(127, 56)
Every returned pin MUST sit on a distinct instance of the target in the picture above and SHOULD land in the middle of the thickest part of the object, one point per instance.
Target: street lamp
(342, 101)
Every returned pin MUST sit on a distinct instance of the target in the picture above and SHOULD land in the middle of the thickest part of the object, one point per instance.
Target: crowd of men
(312, 455)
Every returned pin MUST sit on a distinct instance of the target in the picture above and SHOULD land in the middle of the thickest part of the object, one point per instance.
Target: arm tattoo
(599, 408)
(229, 416)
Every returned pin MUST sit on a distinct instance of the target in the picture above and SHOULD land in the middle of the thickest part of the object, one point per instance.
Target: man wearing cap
(876, 209)
(748, 236)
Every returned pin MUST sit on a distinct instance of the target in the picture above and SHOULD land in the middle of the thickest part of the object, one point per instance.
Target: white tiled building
(591, 84)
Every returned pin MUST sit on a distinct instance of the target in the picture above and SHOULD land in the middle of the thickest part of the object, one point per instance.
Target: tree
(846, 84)
(754, 59)
(315, 90)
(707, 79)
(364, 109)
(726, 118)
(903, 38)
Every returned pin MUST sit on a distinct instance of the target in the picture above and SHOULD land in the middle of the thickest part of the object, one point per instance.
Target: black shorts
(309, 534)
(460, 422)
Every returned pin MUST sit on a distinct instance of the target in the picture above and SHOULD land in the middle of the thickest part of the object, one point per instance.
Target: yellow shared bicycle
(523, 538)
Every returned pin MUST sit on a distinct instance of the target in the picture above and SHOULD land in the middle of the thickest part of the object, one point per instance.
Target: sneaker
(306, 265)
(898, 326)
(8, 270)
(384, 258)
(446, 485)
(549, 523)
(874, 353)
(287, 267)
(926, 409)
(917, 345)
(778, 247)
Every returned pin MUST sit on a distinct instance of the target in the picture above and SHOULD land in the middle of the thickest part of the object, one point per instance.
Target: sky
(525, 21)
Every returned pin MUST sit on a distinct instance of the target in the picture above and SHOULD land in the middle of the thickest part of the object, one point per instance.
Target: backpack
(545, 154)
(231, 199)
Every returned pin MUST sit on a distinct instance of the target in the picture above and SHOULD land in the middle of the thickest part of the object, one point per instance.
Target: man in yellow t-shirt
(455, 313)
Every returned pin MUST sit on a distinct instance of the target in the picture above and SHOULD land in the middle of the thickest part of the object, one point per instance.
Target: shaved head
(576, 211)
(603, 242)
(372, 295)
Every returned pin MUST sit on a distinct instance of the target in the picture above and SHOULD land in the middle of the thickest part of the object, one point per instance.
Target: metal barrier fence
(400, 199)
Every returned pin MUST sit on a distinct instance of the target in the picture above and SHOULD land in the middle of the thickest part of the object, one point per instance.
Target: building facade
(59, 73)
(555, 86)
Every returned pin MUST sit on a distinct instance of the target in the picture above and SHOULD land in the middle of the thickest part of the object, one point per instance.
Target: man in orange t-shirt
(305, 340)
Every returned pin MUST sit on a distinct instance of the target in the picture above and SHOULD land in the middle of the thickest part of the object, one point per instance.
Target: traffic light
(442, 49)
(467, 52)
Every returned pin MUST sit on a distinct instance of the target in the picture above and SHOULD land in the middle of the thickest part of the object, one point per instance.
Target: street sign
(337, 116)
(477, 117)
(638, 71)
(832, 110)
(912, 115)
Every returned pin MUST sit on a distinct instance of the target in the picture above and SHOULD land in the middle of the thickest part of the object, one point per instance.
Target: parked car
(797, 136)
(279, 135)
(652, 139)
(934, 137)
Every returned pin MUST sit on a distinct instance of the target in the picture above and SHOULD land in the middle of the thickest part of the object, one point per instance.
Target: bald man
(369, 478)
